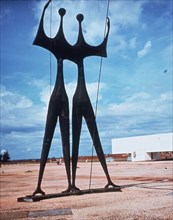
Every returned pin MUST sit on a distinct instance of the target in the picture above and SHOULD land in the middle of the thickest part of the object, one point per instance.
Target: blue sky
(135, 96)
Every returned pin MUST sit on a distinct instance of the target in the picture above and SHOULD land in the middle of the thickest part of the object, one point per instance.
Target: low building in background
(141, 148)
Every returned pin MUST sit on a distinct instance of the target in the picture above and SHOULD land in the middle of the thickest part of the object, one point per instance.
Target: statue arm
(41, 39)
(108, 28)
(100, 50)
(102, 47)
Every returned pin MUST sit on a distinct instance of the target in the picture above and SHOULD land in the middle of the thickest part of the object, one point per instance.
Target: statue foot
(71, 188)
(67, 190)
(74, 189)
(38, 191)
(110, 183)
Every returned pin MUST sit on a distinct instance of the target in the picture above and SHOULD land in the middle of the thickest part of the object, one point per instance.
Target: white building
(143, 148)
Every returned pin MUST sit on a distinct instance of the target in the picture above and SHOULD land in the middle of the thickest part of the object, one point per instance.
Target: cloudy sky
(135, 93)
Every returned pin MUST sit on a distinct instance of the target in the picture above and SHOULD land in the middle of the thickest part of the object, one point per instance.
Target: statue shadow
(162, 185)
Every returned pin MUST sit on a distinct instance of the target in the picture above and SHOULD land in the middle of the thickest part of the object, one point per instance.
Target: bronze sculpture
(82, 106)
(58, 105)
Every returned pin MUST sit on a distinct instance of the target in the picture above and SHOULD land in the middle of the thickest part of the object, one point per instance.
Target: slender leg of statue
(76, 130)
(64, 127)
(91, 123)
(49, 131)
(58, 106)
(82, 107)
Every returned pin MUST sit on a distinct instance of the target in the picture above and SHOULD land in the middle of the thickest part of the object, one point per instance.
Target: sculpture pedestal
(36, 198)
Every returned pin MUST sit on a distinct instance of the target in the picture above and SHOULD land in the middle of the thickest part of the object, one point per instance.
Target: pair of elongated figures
(59, 106)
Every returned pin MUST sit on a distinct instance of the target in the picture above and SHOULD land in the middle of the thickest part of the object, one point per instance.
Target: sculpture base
(36, 198)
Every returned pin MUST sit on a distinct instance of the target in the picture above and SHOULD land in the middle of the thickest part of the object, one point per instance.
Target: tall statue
(81, 102)
(58, 105)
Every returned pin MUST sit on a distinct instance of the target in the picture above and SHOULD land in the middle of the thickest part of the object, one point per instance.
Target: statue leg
(64, 127)
(49, 131)
(91, 123)
(76, 130)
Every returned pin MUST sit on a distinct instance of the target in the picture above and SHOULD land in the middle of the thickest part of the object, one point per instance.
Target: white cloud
(138, 114)
(132, 43)
(45, 94)
(70, 89)
(126, 12)
(138, 97)
(22, 123)
(92, 90)
(11, 100)
(45, 90)
(145, 50)
(122, 45)
(18, 111)
(142, 104)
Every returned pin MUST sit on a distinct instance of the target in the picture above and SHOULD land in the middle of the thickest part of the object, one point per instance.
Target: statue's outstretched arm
(41, 39)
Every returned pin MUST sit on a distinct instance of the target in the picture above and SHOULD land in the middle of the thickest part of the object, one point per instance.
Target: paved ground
(147, 192)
